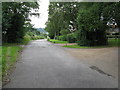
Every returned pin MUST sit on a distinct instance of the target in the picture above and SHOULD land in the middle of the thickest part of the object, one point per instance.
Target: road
(44, 65)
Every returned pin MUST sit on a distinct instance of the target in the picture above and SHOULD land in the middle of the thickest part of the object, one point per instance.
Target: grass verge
(9, 55)
(0, 64)
(57, 41)
(111, 43)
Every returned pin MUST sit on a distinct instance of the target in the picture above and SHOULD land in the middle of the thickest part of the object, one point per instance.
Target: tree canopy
(15, 15)
(88, 20)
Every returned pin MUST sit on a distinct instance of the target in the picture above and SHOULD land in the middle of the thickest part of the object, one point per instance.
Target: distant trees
(86, 21)
(15, 15)
(62, 16)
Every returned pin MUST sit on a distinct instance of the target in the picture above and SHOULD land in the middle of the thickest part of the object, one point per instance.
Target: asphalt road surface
(44, 65)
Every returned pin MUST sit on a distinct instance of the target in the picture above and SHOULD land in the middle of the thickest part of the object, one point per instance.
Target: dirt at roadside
(106, 59)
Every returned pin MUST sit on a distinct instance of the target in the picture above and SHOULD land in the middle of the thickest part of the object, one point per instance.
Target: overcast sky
(43, 10)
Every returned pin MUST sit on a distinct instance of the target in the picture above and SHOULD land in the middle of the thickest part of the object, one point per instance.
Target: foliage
(64, 32)
(111, 43)
(88, 20)
(58, 41)
(37, 37)
(62, 37)
(91, 26)
(112, 11)
(9, 57)
(71, 38)
(31, 36)
(62, 18)
(15, 15)
(26, 39)
(53, 25)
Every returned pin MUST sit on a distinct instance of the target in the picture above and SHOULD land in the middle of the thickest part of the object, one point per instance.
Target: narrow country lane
(44, 65)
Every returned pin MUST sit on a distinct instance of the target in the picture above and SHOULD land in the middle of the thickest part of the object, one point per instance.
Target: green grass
(77, 46)
(111, 43)
(58, 41)
(0, 63)
(9, 57)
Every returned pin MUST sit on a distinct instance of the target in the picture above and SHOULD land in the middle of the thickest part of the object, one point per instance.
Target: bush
(40, 37)
(48, 38)
(91, 38)
(26, 39)
(71, 38)
(62, 38)
(37, 37)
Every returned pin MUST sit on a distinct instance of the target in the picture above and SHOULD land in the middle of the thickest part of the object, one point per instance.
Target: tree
(92, 29)
(15, 14)
(54, 24)
(88, 20)
(63, 15)
(64, 32)
(112, 11)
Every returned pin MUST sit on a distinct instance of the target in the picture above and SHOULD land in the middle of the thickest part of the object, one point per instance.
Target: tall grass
(9, 57)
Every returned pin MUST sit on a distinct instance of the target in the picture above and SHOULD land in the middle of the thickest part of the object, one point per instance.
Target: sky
(39, 22)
